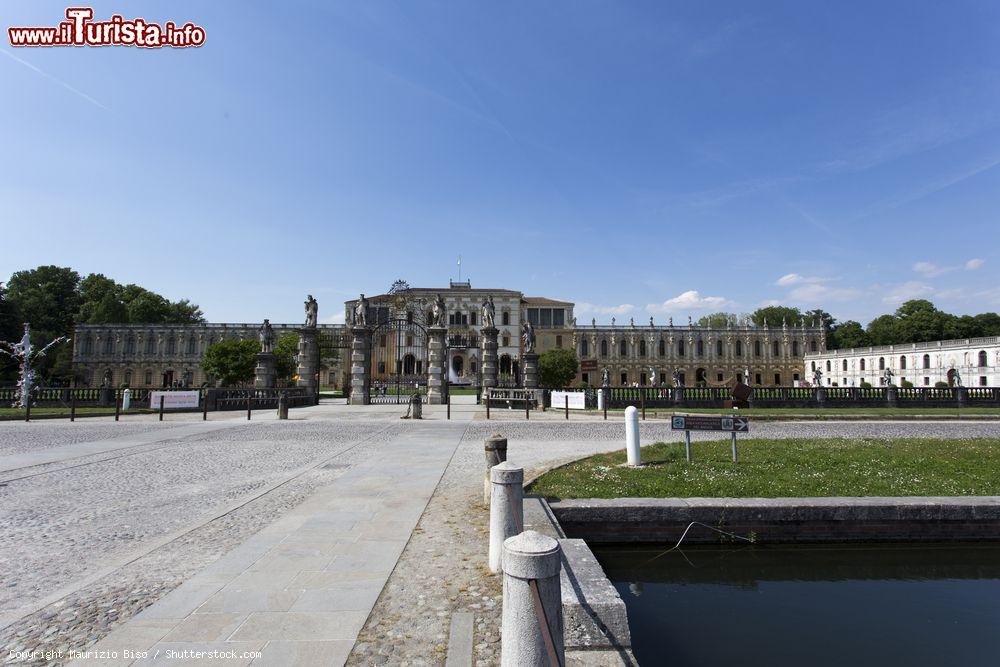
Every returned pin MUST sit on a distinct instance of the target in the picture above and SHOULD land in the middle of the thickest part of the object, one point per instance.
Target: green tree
(231, 362)
(10, 330)
(987, 324)
(919, 321)
(185, 312)
(557, 368)
(109, 310)
(285, 349)
(775, 315)
(847, 334)
(48, 298)
(148, 308)
(883, 330)
(821, 318)
(718, 320)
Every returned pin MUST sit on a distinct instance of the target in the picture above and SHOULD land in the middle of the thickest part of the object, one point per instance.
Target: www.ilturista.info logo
(81, 30)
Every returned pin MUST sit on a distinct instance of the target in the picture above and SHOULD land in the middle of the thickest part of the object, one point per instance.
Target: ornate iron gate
(398, 361)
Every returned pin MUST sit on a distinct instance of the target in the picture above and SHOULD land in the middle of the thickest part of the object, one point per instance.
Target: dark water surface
(853, 605)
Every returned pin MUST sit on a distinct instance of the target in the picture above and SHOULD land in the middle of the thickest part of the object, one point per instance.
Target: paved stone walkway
(300, 590)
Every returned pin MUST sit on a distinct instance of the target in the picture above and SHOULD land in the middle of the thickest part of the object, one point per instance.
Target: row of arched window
(129, 346)
(982, 360)
(682, 349)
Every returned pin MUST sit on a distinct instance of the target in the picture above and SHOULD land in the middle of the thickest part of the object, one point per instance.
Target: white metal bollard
(532, 622)
(126, 399)
(600, 399)
(506, 508)
(632, 436)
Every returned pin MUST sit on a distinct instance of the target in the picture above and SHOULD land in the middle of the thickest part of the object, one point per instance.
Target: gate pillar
(489, 361)
(360, 353)
(308, 368)
(436, 362)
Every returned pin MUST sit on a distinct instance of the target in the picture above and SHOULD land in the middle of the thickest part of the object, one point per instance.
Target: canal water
(853, 605)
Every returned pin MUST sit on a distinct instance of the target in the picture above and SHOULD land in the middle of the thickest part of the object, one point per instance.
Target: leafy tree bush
(285, 349)
(775, 315)
(865, 385)
(232, 362)
(941, 384)
(557, 368)
(906, 384)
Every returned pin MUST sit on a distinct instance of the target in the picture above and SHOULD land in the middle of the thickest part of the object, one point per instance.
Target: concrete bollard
(283, 405)
(506, 508)
(416, 407)
(532, 622)
(126, 400)
(632, 436)
(496, 452)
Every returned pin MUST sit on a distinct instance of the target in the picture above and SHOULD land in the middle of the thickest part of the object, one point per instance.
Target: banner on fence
(173, 399)
(577, 400)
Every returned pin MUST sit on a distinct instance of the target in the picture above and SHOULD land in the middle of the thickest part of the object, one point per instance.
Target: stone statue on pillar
(436, 353)
(489, 313)
(266, 336)
(361, 312)
(308, 367)
(438, 312)
(265, 376)
(528, 337)
(312, 311)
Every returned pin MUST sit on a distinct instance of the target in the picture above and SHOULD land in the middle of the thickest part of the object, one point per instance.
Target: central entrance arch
(398, 361)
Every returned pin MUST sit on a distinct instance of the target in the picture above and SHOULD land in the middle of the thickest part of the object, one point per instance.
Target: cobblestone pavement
(84, 548)
(108, 520)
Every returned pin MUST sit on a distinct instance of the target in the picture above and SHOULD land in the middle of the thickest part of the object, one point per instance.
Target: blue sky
(638, 158)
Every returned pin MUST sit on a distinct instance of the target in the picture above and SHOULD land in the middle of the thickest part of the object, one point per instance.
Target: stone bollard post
(506, 508)
(632, 436)
(496, 452)
(126, 399)
(532, 625)
(283, 405)
(416, 407)
(891, 396)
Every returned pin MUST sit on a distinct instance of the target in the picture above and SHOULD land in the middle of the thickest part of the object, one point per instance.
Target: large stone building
(153, 355)
(642, 354)
(976, 360)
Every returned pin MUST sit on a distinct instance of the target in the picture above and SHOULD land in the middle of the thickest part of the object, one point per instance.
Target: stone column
(360, 378)
(308, 368)
(264, 374)
(821, 396)
(436, 365)
(488, 364)
(531, 593)
(506, 508)
(961, 396)
(530, 370)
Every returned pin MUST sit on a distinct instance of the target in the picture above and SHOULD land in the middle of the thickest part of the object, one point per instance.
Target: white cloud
(690, 300)
(790, 279)
(815, 293)
(929, 269)
(911, 289)
(620, 309)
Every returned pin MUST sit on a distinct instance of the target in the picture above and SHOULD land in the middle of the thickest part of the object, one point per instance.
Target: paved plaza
(344, 534)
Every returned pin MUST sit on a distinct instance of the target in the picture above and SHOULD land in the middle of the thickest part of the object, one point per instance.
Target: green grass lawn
(819, 412)
(784, 468)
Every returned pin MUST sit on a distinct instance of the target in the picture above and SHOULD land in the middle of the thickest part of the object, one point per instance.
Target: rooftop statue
(312, 311)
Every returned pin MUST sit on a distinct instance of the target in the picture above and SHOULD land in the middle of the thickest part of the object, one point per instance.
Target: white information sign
(173, 399)
(577, 400)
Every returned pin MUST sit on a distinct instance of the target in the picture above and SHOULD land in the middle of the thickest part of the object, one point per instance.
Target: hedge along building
(975, 360)
(159, 355)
